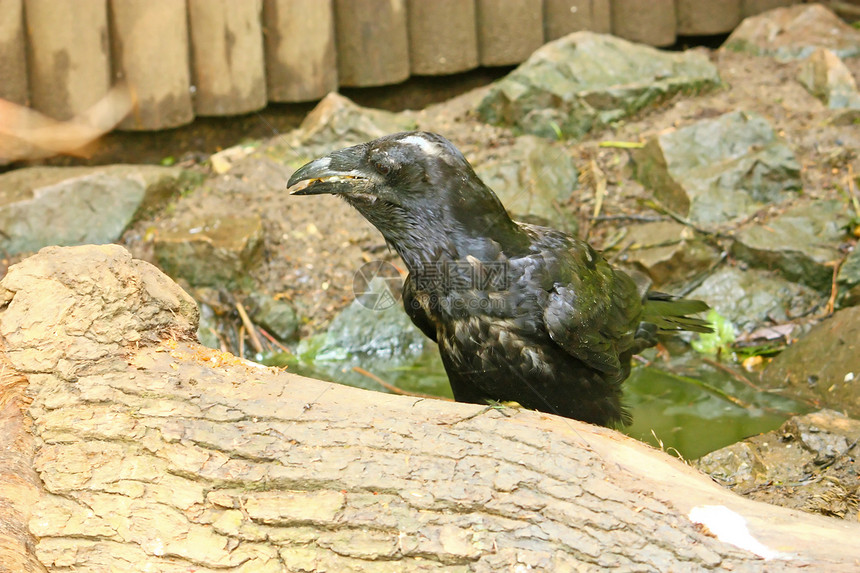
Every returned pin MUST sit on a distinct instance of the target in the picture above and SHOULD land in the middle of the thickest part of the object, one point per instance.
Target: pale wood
(152, 453)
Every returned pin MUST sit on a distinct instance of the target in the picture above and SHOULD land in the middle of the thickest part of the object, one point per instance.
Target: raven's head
(404, 169)
(415, 187)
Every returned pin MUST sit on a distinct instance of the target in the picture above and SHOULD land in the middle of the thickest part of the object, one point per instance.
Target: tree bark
(137, 449)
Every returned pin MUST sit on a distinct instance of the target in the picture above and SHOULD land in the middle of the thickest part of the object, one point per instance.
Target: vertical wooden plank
(647, 21)
(301, 59)
(69, 63)
(509, 31)
(706, 17)
(753, 7)
(13, 56)
(372, 42)
(443, 37)
(561, 17)
(227, 56)
(601, 13)
(149, 44)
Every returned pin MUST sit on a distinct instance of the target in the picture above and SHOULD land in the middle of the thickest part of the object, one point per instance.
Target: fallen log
(128, 446)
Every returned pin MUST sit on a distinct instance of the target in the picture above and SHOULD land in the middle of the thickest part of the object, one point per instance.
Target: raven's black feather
(520, 312)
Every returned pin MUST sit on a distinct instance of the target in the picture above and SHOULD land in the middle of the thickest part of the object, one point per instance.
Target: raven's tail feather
(671, 314)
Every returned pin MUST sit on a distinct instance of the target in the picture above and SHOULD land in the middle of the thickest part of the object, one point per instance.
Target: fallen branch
(142, 450)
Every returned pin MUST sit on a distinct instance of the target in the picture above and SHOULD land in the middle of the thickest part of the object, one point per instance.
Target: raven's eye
(382, 168)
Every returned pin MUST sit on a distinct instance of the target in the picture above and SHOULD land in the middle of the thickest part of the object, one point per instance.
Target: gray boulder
(668, 252)
(794, 33)
(801, 244)
(717, 170)
(276, 315)
(372, 334)
(337, 122)
(43, 206)
(848, 279)
(585, 80)
(754, 297)
(806, 464)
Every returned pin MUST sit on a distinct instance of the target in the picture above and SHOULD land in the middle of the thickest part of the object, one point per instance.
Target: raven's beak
(338, 172)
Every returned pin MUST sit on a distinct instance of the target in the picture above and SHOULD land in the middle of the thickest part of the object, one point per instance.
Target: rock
(277, 316)
(806, 464)
(668, 252)
(826, 77)
(337, 122)
(802, 243)
(533, 178)
(357, 329)
(208, 328)
(846, 117)
(848, 279)
(718, 170)
(754, 297)
(215, 251)
(794, 32)
(585, 80)
(224, 160)
(382, 340)
(101, 302)
(42, 206)
(823, 367)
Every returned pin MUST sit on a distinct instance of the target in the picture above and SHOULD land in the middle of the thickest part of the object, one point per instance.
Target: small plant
(719, 341)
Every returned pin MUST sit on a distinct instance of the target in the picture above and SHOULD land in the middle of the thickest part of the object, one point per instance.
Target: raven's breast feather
(484, 343)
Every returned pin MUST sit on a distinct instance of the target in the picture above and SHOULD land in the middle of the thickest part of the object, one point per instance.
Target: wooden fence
(184, 58)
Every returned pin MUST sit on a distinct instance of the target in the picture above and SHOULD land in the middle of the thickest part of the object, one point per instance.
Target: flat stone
(217, 251)
(801, 244)
(585, 80)
(669, 252)
(794, 33)
(66, 206)
(718, 170)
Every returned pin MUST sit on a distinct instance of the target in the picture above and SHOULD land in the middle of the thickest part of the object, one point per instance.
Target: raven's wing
(418, 309)
(591, 311)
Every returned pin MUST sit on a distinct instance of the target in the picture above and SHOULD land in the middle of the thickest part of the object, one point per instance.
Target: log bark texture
(136, 449)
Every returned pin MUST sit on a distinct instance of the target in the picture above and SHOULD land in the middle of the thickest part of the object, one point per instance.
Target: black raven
(520, 312)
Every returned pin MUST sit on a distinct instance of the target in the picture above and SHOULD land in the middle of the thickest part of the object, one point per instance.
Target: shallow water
(685, 406)
(671, 412)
